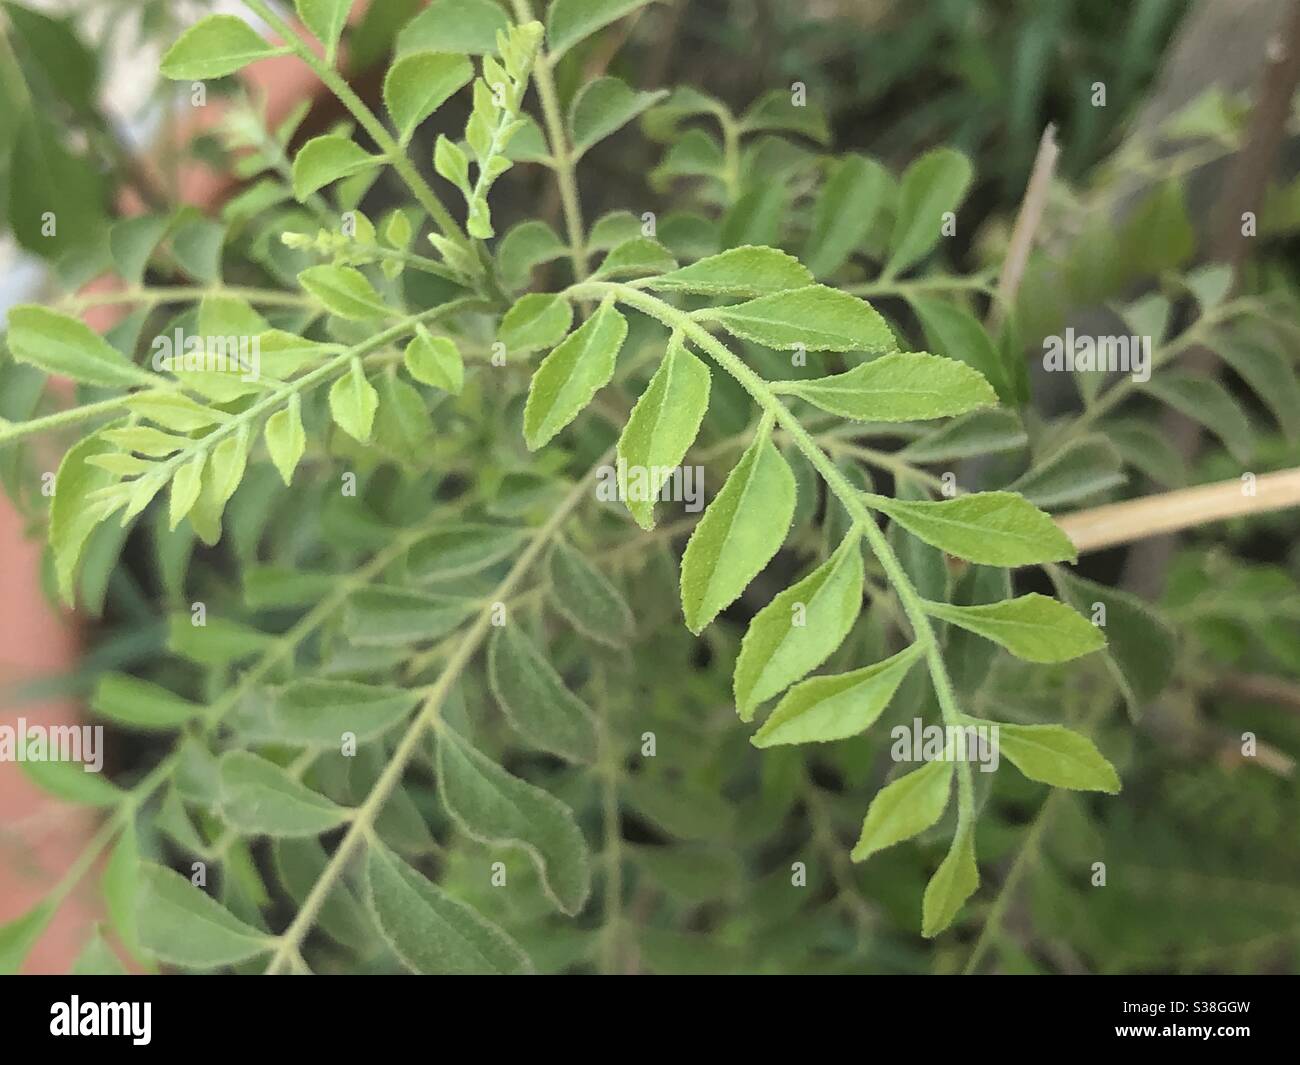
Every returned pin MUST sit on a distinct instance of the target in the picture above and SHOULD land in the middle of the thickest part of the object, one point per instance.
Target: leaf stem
(772, 407)
(561, 151)
(9, 432)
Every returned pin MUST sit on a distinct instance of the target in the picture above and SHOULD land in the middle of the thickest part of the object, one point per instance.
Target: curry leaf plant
(432, 679)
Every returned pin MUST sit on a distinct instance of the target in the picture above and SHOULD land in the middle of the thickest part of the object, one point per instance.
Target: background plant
(395, 530)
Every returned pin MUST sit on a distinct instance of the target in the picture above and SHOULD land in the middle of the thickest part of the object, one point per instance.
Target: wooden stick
(1169, 512)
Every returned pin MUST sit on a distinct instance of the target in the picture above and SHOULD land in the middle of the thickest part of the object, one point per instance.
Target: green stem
(10, 432)
(151, 297)
(363, 819)
(912, 603)
(561, 151)
(366, 118)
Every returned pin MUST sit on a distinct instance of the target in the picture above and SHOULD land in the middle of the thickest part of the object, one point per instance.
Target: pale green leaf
(321, 711)
(661, 428)
(58, 344)
(325, 159)
(603, 106)
(844, 213)
(1034, 627)
(525, 246)
(286, 440)
(745, 271)
(905, 808)
(459, 26)
(898, 387)
(418, 84)
(1208, 402)
(837, 706)
(955, 881)
(435, 361)
(344, 291)
(325, 19)
(1054, 755)
(569, 21)
(776, 111)
(17, 937)
(186, 485)
(741, 530)
(571, 375)
(353, 402)
(537, 320)
(815, 318)
(992, 528)
(214, 47)
(799, 629)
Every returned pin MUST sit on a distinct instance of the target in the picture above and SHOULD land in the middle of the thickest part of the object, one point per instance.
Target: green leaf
(72, 520)
(569, 21)
(58, 344)
(1270, 375)
(844, 213)
(992, 528)
(214, 47)
(286, 439)
(587, 599)
(746, 271)
(418, 84)
(97, 959)
(571, 374)
(534, 699)
(638, 257)
(934, 184)
(837, 706)
(186, 485)
(140, 703)
(898, 387)
(603, 106)
(435, 361)
(219, 642)
(353, 402)
(74, 782)
(1052, 754)
(174, 411)
(1086, 466)
(953, 331)
(776, 111)
(525, 246)
(275, 586)
(464, 26)
(493, 807)
(460, 550)
(536, 321)
(815, 318)
(953, 883)
(1033, 627)
(429, 931)
(1208, 402)
(1140, 643)
(661, 428)
(121, 887)
(258, 797)
(325, 19)
(800, 628)
(321, 711)
(612, 229)
(344, 291)
(742, 529)
(17, 937)
(325, 159)
(450, 162)
(383, 616)
(181, 924)
(905, 808)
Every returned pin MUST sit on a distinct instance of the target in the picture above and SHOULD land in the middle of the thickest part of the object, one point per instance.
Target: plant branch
(363, 818)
